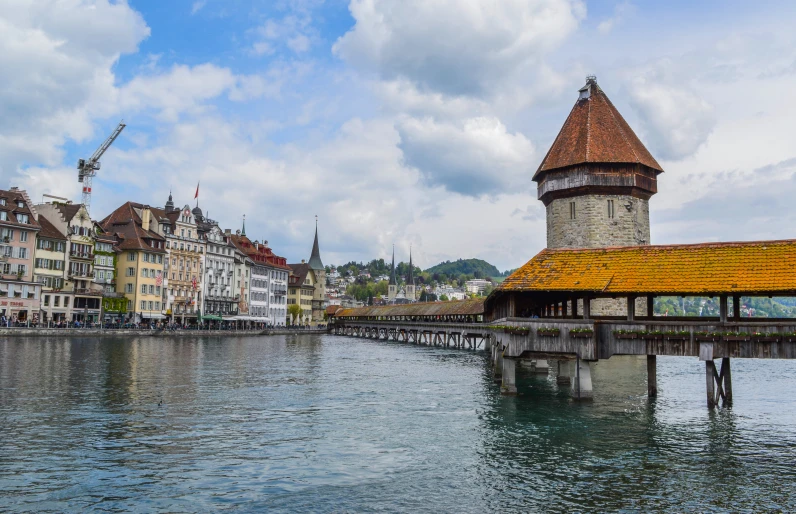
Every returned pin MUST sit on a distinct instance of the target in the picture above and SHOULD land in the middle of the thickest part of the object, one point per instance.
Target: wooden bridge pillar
(508, 386)
(719, 384)
(652, 376)
(581, 381)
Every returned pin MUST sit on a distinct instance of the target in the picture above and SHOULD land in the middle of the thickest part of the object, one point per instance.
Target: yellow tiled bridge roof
(698, 269)
(454, 308)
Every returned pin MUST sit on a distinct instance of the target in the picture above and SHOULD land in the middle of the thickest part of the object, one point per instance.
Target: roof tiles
(464, 307)
(711, 268)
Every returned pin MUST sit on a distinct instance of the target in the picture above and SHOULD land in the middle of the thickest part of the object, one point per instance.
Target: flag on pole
(159, 279)
(193, 282)
(197, 191)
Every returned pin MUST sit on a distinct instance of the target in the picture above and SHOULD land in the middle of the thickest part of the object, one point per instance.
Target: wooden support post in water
(727, 379)
(710, 370)
(652, 376)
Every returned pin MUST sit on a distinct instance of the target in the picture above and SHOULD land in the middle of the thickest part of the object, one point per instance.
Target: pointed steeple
(170, 203)
(393, 282)
(410, 279)
(315, 258)
(243, 230)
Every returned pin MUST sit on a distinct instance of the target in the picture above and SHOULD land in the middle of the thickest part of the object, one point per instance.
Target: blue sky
(399, 121)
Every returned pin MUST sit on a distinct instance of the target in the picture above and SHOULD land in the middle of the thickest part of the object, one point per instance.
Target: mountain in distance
(475, 267)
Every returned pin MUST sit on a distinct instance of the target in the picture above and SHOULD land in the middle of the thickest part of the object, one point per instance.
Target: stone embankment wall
(92, 332)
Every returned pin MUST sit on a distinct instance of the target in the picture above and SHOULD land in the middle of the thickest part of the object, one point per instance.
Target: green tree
(294, 311)
(443, 298)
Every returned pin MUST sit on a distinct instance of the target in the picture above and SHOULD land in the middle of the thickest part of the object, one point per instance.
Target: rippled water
(325, 423)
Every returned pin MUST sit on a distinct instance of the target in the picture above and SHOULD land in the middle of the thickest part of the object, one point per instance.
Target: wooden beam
(586, 308)
(723, 308)
(631, 308)
(650, 306)
(736, 307)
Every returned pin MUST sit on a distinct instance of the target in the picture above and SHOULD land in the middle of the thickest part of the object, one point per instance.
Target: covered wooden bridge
(458, 323)
(590, 304)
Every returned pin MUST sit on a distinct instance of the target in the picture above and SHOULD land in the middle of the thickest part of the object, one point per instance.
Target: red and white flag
(197, 191)
(193, 282)
(159, 279)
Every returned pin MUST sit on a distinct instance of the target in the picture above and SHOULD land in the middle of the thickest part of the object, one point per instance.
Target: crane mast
(87, 169)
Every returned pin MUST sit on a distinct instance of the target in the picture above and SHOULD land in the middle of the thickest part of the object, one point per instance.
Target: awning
(152, 316)
(211, 317)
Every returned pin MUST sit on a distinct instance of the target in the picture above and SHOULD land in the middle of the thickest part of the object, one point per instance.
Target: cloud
(457, 47)
(621, 12)
(675, 119)
(56, 70)
(293, 31)
(476, 157)
(197, 6)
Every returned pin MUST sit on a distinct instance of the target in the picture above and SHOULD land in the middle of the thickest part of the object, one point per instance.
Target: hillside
(475, 267)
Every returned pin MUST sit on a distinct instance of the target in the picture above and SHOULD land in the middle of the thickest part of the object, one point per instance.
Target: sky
(408, 122)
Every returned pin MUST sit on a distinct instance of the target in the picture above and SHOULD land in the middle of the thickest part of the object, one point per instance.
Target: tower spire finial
(243, 231)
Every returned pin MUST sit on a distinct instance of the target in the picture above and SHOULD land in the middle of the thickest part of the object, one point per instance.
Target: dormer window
(20, 204)
(2, 201)
(22, 218)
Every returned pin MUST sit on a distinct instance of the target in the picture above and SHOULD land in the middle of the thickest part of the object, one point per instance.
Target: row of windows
(610, 212)
(103, 260)
(7, 234)
(185, 247)
(147, 257)
(51, 282)
(150, 306)
(21, 218)
(52, 246)
(14, 269)
(15, 252)
(49, 264)
(150, 289)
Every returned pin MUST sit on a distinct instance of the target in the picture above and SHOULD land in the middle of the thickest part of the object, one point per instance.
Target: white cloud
(621, 11)
(476, 157)
(455, 46)
(197, 6)
(56, 60)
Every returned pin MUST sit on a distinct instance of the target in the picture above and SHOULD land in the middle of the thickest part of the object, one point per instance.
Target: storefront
(19, 302)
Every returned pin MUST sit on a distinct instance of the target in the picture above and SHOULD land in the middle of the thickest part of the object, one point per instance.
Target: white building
(477, 286)
(219, 299)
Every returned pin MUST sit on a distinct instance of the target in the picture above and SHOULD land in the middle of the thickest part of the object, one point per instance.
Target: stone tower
(597, 178)
(410, 280)
(319, 271)
(392, 287)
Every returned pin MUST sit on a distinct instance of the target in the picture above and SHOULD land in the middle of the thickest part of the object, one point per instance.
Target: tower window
(572, 210)
(611, 211)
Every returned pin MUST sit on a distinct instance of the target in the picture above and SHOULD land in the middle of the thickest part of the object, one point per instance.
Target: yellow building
(301, 290)
(139, 264)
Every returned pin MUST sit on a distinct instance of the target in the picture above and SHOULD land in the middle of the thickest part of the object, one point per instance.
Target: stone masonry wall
(592, 228)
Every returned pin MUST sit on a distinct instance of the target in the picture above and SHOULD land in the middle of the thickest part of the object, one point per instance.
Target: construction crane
(86, 169)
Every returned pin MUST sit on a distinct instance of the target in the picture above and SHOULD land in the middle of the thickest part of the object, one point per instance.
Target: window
(3, 216)
(129, 305)
(157, 306)
(23, 236)
(23, 253)
(157, 290)
(46, 300)
(20, 204)
(182, 232)
(128, 288)
(611, 211)
(572, 210)
(143, 305)
(151, 289)
(150, 305)
(130, 256)
(22, 218)
(145, 272)
(143, 288)
(57, 301)
(130, 272)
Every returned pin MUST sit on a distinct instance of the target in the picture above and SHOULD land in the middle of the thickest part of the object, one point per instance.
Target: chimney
(146, 218)
(228, 232)
(585, 91)
(302, 261)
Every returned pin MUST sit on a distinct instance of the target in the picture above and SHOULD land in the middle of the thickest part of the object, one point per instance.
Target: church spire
(410, 279)
(315, 258)
(170, 203)
(393, 282)
(243, 230)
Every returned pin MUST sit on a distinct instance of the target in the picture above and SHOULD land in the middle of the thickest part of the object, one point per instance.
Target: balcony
(82, 255)
(280, 291)
(80, 274)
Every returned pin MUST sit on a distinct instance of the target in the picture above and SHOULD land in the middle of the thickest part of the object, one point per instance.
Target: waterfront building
(301, 291)
(50, 271)
(183, 268)
(268, 281)
(140, 260)
(114, 304)
(241, 278)
(217, 283)
(307, 286)
(19, 292)
(74, 222)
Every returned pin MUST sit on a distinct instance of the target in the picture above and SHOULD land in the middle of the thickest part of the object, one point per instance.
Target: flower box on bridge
(707, 337)
(626, 334)
(548, 332)
(766, 338)
(736, 337)
(581, 333)
(517, 331)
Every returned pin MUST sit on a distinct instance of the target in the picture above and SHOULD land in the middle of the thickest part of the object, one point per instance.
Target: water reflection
(325, 423)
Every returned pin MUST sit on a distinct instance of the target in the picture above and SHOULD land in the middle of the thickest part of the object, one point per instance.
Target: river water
(329, 424)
